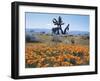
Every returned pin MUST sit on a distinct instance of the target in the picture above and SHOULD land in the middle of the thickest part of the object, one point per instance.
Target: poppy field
(39, 55)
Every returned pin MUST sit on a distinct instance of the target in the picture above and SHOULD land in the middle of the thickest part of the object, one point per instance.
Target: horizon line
(50, 29)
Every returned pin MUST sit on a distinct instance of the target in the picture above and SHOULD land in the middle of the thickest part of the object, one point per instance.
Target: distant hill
(39, 30)
(78, 33)
(49, 31)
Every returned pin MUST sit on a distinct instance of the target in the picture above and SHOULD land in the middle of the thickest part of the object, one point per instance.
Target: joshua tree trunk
(61, 29)
(58, 32)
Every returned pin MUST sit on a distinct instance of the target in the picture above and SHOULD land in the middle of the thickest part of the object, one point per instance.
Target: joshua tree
(59, 23)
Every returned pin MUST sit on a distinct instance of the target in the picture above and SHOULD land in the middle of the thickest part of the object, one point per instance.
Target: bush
(32, 38)
(56, 38)
(27, 39)
(72, 41)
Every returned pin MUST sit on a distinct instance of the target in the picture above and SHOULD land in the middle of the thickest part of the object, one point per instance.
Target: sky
(44, 21)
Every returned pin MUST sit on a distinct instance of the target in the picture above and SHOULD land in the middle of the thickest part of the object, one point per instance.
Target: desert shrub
(72, 41)
(32, 38)
(66, 41)
(56, 38)
(85, 37)
(71, 35)
(27, 38)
